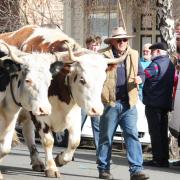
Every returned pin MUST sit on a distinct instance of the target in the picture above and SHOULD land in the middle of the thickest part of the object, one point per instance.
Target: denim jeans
(95, 127)
(121, 115)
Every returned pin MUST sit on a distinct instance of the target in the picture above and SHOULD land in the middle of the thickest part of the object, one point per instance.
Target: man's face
(120, 44)
(147, 53)
(154, 53)
(177, 29)
(93, 46)
(178, 42)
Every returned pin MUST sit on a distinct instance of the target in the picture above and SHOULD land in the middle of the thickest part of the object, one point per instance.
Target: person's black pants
(158, 129)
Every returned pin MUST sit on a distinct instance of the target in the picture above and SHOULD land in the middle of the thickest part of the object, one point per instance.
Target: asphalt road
(16, 166)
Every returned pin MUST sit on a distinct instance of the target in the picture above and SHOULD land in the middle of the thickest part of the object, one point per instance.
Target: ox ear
(56, 67)
(4, 79)
(11, 66)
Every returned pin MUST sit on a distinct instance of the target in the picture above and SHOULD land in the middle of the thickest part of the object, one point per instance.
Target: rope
(109, 17)
(12, 93)
(120, 9)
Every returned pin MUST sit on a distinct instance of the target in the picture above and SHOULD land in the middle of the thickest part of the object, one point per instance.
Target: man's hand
(138, 80)
(177, 67)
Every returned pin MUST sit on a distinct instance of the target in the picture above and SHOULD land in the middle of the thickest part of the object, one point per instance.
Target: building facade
(81, 18)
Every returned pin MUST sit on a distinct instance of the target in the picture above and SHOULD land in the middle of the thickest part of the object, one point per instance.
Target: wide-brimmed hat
(117, 33)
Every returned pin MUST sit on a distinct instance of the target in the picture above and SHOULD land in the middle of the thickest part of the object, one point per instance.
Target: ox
(24, 82)
(76, 86)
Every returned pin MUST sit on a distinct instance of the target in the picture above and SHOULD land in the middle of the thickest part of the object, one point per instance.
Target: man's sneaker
(156, 164)
(139, 176)
(105, 174)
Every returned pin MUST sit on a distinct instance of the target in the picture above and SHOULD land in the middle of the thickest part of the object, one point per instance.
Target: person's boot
(105, 174)
(139, 176)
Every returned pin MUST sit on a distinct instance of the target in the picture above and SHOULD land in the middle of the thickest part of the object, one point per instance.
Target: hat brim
(108, 40)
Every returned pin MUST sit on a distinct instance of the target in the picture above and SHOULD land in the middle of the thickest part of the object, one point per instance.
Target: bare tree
(9, 15)
(166, 23)
(16, 13)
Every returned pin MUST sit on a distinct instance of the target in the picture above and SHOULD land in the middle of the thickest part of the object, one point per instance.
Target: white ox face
(33, 83)
(87, 82)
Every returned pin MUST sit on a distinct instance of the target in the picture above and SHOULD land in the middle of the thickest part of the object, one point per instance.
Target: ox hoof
(38, 167)
(57, 161)
(52, 174)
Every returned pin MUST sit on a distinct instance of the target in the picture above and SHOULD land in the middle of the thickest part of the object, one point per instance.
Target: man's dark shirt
(121, 85)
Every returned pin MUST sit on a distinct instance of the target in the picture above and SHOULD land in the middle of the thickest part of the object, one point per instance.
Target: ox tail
(15, 140)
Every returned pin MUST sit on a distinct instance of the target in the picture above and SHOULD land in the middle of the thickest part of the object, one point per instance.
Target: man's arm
(152, 71)
(140, 78)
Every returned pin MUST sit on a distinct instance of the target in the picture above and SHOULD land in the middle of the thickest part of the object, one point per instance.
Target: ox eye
(29, 81)
(82, 81)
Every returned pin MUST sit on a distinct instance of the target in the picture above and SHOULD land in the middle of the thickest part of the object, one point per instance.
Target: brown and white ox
(78, 85)
(24, 82)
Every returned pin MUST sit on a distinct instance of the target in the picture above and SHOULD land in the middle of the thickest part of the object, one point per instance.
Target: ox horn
(11, 54)
(115, 60)
(71, 55)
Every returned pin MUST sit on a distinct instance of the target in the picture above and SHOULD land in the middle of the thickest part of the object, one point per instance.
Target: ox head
(32, 78)
(86, 79)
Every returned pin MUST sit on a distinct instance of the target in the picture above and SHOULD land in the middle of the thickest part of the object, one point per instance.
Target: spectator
(119, 97)
(174, 124)
(157, 97)
(93, 43)
(145, 61)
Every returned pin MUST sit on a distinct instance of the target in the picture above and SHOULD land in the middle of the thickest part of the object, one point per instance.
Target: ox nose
(43, 111)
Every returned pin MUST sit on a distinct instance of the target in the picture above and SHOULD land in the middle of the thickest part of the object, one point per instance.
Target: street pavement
(16, 166)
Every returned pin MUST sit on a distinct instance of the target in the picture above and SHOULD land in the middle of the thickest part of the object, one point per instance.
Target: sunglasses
(146, 51)
(122, 40)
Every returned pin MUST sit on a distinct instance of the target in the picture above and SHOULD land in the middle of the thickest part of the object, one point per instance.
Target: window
(100, 2)
(158, 38)
(101, 18)
(145, 39)
(146, 22)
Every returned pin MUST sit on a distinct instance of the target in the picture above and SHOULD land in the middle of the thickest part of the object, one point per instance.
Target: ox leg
(2, 95)
(47, 141)
(28, 131)
(7, 127)
(73, 143)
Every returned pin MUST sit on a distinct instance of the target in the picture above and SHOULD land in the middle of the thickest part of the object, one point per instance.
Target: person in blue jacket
(145, 61)
(157, 97)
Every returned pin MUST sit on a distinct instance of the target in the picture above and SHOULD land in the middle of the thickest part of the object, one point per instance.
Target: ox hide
(78, 85)
(24, 81)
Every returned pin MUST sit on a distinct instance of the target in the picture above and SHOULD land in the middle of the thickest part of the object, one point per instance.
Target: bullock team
(45, 80)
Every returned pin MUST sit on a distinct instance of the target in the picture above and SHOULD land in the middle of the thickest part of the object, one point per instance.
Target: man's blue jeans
(95, 127)
(121, 115)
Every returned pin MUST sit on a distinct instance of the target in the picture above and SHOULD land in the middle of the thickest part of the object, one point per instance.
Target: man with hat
(157, 97)
(119, 96)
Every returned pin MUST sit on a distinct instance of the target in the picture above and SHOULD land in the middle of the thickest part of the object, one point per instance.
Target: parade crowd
(150, 78)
